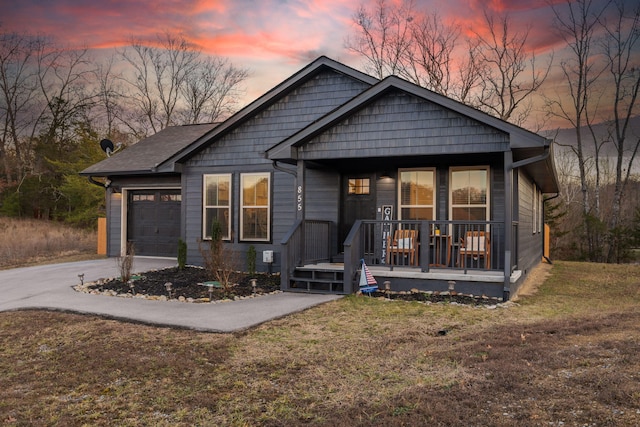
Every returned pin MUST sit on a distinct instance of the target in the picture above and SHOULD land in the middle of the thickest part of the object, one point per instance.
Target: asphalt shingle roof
(149, 154)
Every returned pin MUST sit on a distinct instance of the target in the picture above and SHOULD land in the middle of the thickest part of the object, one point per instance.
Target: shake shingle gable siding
(403, 123)
(285, 117)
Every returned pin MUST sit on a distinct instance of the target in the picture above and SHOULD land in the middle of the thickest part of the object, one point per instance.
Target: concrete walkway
(50, 287)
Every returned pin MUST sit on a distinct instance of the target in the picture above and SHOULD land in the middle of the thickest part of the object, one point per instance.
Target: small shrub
(182, 254)
(251, 260)
(125, 263)
(219, 260)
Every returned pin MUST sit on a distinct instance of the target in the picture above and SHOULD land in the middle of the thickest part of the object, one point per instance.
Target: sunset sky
(272, 38)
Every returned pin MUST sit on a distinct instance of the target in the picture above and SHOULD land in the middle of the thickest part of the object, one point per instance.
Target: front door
(358, 201)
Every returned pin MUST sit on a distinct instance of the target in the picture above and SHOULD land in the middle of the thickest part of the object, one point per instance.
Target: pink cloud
(274, 38)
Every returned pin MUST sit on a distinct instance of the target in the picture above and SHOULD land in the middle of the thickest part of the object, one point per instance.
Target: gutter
(524, 162)
(281, 169)
(99, 184)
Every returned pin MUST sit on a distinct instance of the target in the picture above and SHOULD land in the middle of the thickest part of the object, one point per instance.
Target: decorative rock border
(87, 288)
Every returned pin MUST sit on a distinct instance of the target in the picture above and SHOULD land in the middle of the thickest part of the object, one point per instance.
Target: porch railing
(308, 242)
(430, 245)
(424, 245)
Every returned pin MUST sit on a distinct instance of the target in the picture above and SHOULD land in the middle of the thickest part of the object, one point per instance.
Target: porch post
(300, 190)
(300, 206)
(508, 220)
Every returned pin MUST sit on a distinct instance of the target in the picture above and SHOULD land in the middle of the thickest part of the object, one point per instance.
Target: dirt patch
(536, 277)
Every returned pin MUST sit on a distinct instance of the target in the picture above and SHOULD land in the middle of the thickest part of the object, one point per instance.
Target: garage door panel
(154, 222)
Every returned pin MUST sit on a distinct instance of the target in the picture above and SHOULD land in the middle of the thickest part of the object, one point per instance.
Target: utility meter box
(267, 257)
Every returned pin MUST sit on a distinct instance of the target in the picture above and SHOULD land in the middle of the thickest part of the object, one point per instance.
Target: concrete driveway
(51, 287)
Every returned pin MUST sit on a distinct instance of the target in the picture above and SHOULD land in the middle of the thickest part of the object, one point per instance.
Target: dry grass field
(565, 354)
(24, 242)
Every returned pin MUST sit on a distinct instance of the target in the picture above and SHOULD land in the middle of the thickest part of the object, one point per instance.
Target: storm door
(358, 201)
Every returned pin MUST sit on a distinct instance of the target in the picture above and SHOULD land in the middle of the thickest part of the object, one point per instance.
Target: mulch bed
(438, 297)
(187, 283)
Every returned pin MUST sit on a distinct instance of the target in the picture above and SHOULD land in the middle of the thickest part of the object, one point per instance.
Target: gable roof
(520, 138)
(150, 155)
(523, 143)
(265, 101)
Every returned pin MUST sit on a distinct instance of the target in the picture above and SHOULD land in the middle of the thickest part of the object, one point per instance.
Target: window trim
(268, 207)
(435, 192)
(453, 169)
(229, 176)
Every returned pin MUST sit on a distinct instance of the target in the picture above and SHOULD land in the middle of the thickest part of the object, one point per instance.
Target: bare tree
(383, 38)
(18, 91)
(43, 89)
(431, 57)
(620, 49)
(109, 95)
(158, 73)
(576, 24)
(172, 84)
(64, 76)
(510, 75)
(487, 72)
(211, 91)
(397, 39)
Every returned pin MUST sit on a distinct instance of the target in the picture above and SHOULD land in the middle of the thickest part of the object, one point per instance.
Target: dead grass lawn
(28, 241)
(569, 355)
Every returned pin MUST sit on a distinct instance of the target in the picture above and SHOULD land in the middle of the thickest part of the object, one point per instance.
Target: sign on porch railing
(387, 215)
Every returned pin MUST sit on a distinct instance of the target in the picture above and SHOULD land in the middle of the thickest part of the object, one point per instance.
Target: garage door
(154, 222)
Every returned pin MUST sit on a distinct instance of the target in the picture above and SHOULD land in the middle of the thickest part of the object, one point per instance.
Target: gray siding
(114, 218)
(282, 211)
(322, 199)
(242, 150)
(247, 143)
(387, 194)
(401, 124)
(530, 251)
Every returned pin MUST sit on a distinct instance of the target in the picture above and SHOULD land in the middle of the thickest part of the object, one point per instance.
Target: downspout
(281, 169)
(524, 162)
(94, 182)
(509, 168)
(508, 223)
(285, 268)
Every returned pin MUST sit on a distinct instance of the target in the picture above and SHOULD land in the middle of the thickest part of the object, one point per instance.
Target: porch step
(310, 280)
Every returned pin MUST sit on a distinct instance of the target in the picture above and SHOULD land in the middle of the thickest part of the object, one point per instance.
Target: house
(332, 167)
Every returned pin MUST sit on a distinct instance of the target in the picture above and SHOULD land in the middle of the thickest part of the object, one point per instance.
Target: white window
(417, 194)
(216, 202)
(469, 194)
(255, 209)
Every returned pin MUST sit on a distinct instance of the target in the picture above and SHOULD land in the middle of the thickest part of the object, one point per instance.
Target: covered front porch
(471, 256)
